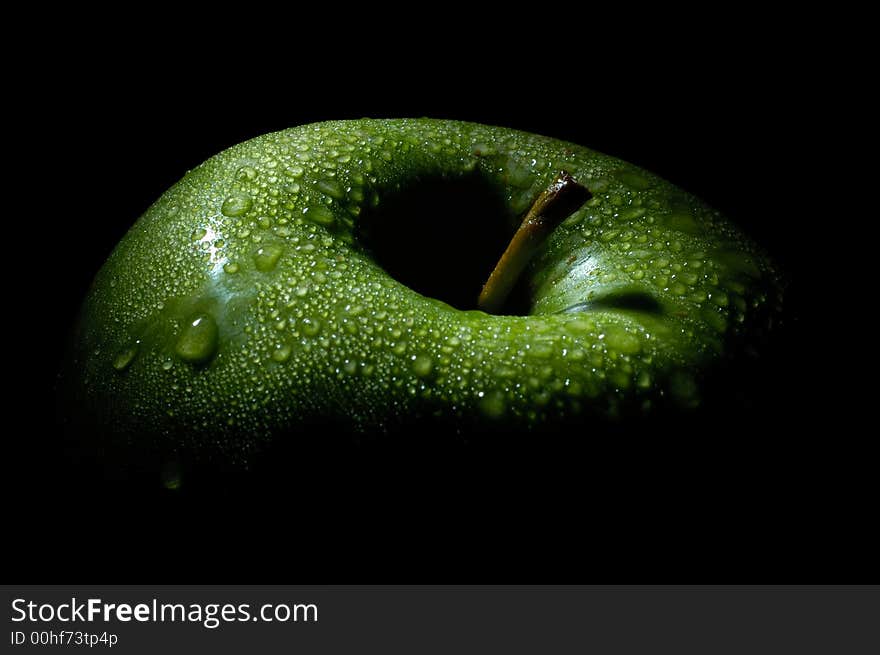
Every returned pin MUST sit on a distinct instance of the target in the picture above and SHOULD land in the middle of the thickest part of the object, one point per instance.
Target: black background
(776, 497)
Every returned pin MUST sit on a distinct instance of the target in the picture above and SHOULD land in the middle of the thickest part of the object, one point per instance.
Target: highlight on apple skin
(253, 296)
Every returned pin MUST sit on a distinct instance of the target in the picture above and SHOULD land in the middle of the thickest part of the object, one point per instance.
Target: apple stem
(557, 202)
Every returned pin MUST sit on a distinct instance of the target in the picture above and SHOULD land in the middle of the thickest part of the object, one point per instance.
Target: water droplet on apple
(246, 174)
(311, 327)
(267, 257)
(661, 262)
(503, 371)
(621, 340)
(236, 205)
(281, 354)
(541, 349)
(198, 340)
(124, 359)
(331, 188)
(422, 365)
(319, 215)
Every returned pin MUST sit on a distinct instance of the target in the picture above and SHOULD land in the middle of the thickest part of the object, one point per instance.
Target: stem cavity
(557, 202)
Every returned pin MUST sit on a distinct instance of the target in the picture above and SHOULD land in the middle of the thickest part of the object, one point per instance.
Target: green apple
(253, 298)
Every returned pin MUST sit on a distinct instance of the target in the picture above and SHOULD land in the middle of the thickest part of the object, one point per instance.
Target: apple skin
(243, 305)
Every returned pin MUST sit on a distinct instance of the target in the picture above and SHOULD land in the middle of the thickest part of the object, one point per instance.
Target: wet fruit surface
(248, 299)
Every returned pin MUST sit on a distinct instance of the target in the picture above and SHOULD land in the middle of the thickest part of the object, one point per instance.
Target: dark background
(777, 497)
